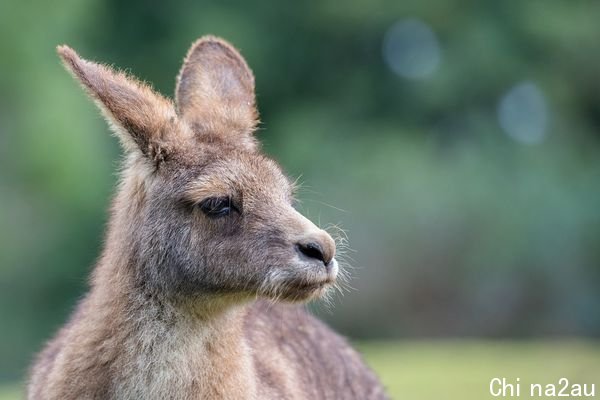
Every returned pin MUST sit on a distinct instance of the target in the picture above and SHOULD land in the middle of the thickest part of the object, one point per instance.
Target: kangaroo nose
(315, 250)
(311, 242)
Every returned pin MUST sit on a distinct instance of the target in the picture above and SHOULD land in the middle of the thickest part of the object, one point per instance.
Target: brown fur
(181, 304)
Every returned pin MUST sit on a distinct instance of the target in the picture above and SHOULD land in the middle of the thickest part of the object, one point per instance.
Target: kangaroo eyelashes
(216, 207)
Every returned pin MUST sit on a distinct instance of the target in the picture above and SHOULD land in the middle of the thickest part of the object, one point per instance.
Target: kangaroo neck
(168, 349)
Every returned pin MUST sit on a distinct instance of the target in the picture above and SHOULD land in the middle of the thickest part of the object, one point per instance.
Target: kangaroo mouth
(299, 284)
(305, 291)
(310, 286)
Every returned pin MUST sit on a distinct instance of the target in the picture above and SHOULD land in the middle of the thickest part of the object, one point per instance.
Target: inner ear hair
(144, 120)
(215, 92)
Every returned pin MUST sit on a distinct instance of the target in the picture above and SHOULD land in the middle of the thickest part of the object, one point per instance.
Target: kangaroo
(197, 292)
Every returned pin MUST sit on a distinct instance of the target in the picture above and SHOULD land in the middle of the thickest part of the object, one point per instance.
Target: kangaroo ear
(143, 120)
(215, 92)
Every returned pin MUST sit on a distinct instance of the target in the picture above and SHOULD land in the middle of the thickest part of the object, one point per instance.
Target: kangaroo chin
(194, 294)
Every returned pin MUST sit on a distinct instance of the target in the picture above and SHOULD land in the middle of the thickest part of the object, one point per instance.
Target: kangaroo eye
(216, 207)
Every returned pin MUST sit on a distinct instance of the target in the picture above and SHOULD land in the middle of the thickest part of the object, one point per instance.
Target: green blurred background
(457, 142)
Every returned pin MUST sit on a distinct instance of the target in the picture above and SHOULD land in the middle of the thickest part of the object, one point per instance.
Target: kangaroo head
(200, 210)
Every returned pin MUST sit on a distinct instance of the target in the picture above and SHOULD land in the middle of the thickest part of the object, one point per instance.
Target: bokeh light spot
(523, 113)
(411, 49)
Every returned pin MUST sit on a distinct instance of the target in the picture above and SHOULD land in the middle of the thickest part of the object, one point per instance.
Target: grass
(10, 392)
(462, 370)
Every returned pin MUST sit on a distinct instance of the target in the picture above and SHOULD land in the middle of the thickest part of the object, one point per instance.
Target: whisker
(327, 205)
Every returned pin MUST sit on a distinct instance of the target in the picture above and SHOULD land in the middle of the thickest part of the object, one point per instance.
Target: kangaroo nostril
(312, 250)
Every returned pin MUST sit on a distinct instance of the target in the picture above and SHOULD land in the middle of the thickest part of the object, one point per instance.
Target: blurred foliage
(457, 228)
